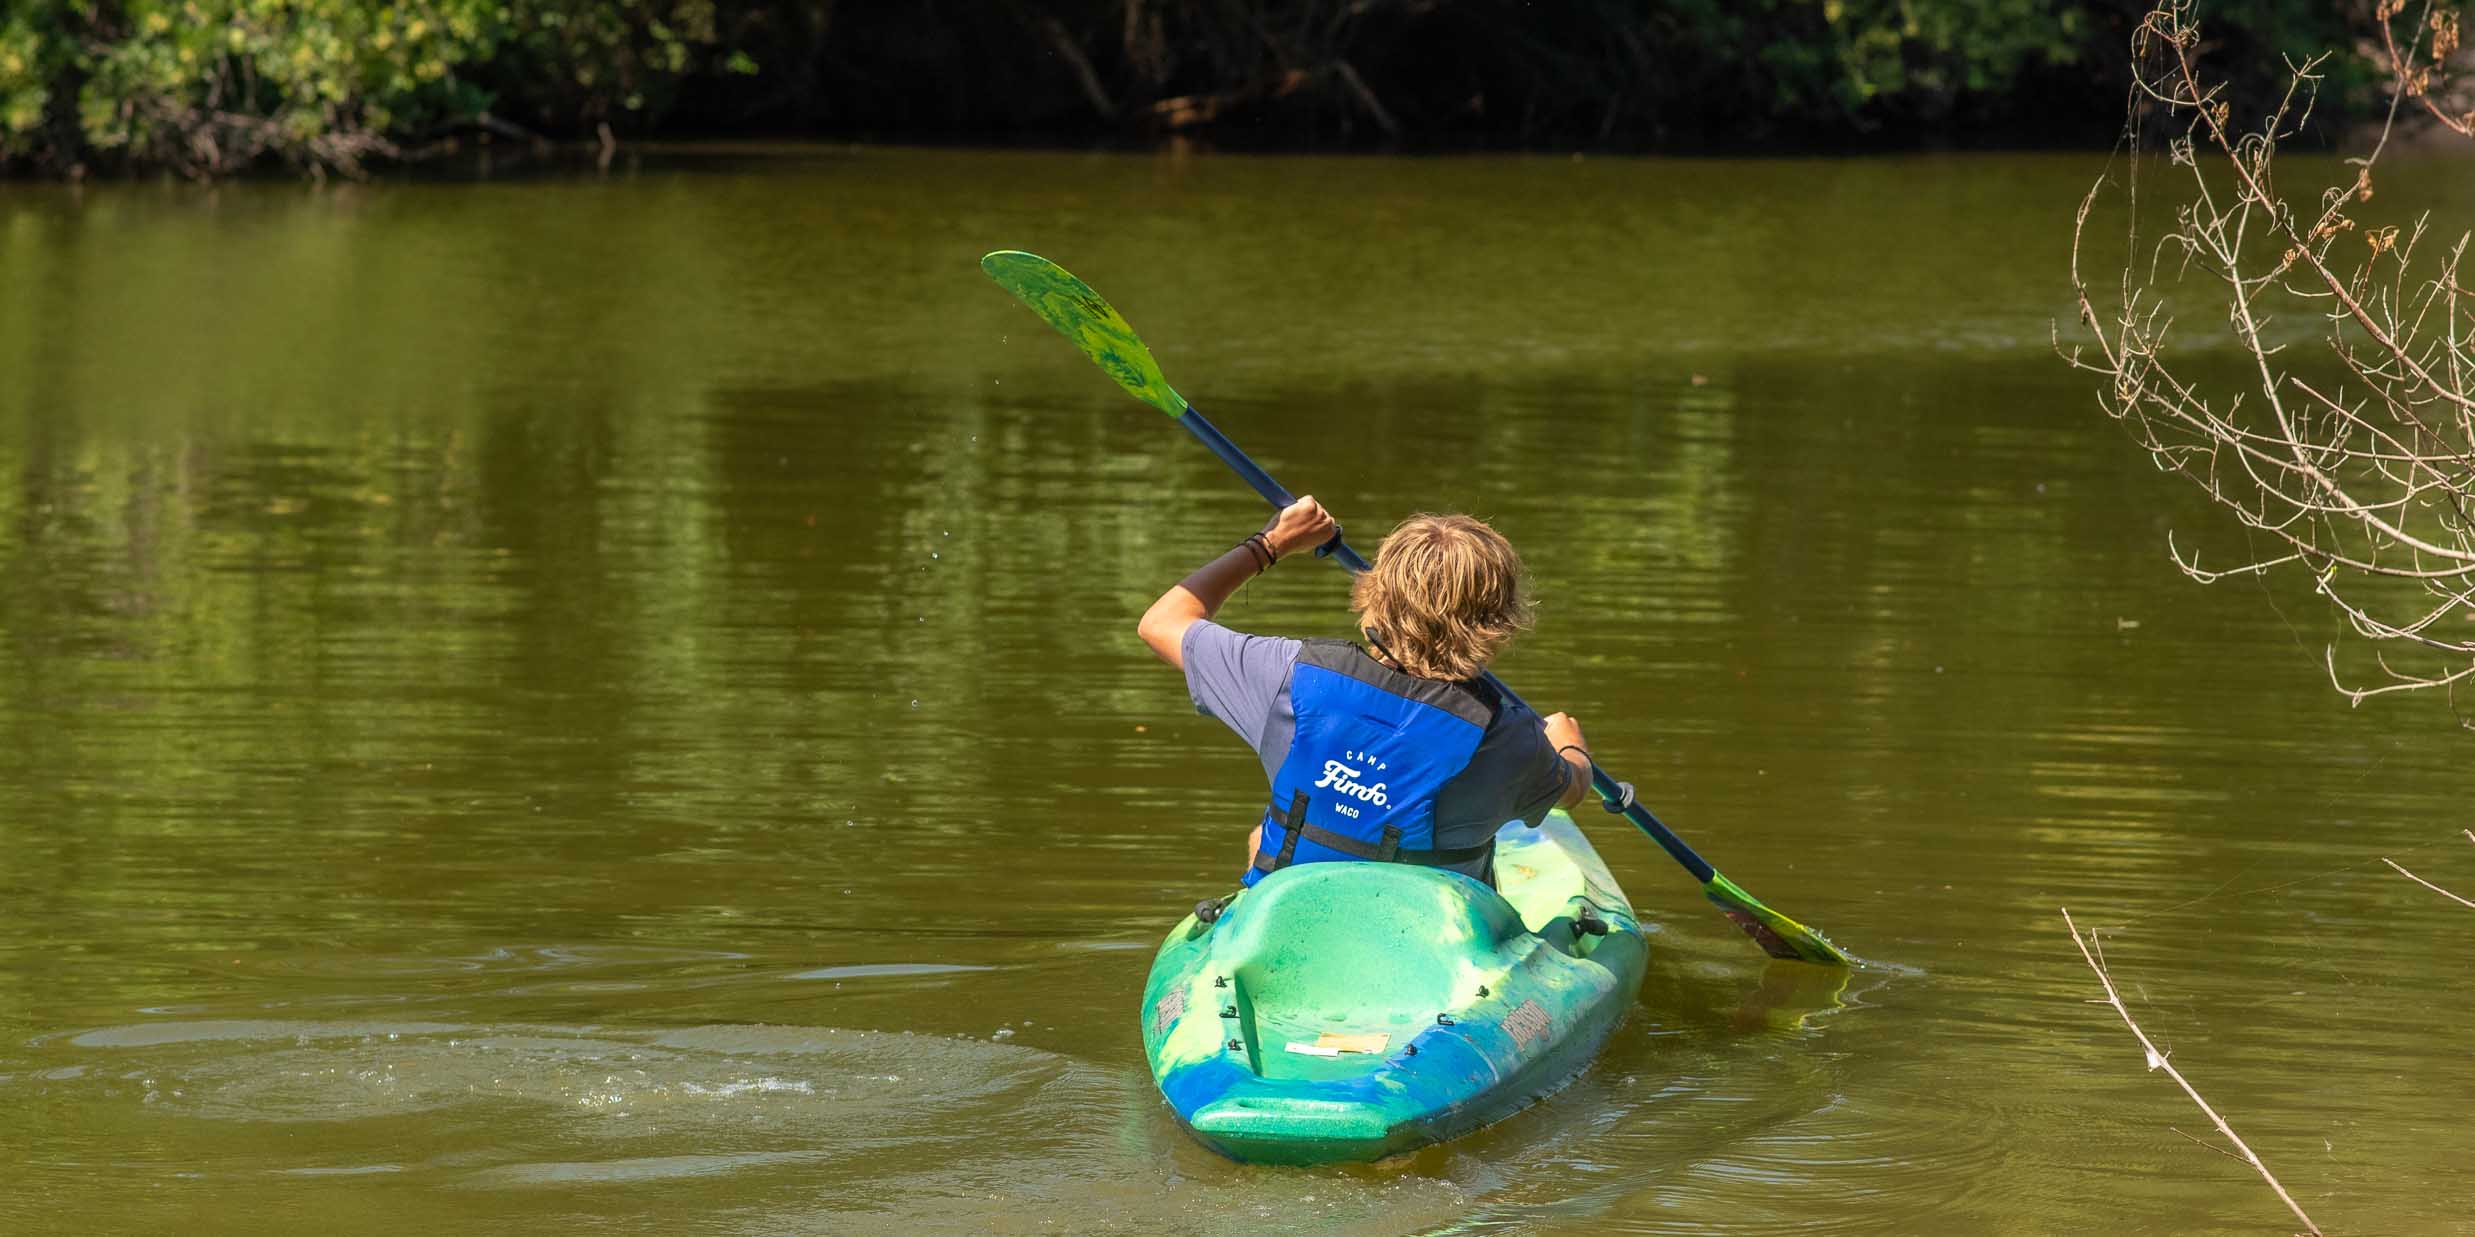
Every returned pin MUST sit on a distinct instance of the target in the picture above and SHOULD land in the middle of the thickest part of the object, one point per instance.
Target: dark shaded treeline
(211, 87)
(1609, 74)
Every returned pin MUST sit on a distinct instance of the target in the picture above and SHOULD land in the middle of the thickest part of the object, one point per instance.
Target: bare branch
(2157, 1061)
(2355, 459)
(2428, 885)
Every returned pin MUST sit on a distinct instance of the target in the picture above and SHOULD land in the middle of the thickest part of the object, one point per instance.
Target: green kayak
(1349, 1011)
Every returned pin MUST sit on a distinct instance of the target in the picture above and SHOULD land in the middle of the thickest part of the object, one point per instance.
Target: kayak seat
(1350, 1011)
(1360, 947)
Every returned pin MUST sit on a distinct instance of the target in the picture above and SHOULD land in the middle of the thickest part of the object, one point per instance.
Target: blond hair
(1443, 597)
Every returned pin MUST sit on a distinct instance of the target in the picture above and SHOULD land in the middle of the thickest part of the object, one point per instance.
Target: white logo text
(1344, 780)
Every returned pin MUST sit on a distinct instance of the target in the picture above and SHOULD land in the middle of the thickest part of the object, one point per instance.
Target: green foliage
(1940, 47)
(210, 86)
(1823, 60)
(29, 63)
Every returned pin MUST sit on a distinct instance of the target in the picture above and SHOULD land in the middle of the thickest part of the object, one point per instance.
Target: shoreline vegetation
(215, 88)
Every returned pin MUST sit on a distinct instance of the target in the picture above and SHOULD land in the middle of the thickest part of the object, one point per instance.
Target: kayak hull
(1350, 1011)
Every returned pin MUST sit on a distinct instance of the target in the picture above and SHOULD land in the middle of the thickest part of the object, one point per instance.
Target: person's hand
(1565, 733)
(1302, 525)
(1562, 729)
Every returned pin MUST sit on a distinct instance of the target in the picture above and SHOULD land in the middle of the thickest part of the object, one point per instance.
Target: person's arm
(1565, 733)
(1302, 525)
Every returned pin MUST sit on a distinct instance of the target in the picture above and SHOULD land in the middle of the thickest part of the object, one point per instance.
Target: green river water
(613, 701)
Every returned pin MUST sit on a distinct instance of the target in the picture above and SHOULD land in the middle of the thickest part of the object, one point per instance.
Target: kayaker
(1395, 751)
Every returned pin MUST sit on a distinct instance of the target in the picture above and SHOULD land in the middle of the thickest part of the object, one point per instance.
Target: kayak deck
(1347, 1011)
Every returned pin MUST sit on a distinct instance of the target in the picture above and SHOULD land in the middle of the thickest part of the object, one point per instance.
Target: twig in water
(2427, 884)
(2157, 1060)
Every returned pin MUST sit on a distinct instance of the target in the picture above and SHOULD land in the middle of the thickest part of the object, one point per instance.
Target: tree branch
(2157, 1061)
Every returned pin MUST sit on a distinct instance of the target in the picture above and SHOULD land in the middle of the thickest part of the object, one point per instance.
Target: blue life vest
(1372, 749)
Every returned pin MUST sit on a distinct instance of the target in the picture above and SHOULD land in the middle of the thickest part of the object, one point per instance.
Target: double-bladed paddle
(1096, 327)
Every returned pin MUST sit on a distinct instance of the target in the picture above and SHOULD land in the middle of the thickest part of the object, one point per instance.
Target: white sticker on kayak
(1334, 1043)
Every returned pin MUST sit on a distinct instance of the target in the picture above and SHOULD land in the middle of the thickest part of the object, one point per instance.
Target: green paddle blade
(1778, 935)
(1093, 324)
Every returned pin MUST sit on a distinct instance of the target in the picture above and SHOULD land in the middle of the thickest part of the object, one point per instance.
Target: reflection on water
(615, 700)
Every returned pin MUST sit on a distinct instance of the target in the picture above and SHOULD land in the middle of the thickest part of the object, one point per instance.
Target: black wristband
(1572, 747)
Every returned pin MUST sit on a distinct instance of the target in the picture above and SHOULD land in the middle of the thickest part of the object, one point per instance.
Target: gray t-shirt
(1514, 775)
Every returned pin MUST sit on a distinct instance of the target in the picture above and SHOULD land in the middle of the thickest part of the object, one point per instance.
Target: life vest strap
(1290, 822)
(1293, 826)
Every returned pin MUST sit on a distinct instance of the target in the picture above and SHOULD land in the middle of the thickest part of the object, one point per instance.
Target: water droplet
(934, 554)
(915, 704)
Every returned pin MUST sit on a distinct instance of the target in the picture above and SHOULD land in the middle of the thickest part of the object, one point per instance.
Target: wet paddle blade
(1778, 935)
(1093, 324)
